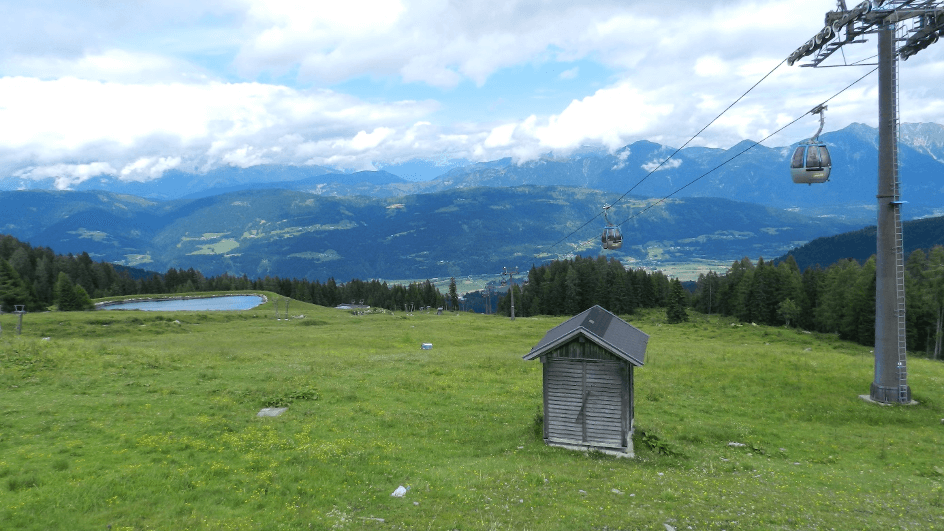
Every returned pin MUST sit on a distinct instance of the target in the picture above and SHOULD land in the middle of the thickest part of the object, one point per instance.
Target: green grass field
(146, 420)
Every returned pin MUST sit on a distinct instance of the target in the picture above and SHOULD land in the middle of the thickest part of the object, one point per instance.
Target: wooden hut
(587, 381)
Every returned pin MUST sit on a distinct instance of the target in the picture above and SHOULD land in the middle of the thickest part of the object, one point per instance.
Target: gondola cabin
(587, 381)
(810, 163)
(611, 238)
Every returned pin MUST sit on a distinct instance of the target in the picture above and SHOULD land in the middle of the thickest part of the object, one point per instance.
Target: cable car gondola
(611, 237)
(811, 161)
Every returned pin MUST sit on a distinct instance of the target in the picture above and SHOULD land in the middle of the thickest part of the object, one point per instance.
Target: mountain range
(703, 205)
(746, 172)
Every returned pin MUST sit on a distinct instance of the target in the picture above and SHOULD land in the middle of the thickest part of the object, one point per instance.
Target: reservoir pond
(226, 303)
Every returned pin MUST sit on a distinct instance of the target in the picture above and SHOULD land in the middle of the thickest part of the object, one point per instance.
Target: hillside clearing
(148, 420)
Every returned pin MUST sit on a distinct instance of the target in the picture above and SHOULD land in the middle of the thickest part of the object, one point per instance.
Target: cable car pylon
(922, 24)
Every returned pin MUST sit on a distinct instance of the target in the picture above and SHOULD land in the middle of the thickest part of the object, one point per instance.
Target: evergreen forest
(838, 299)
(37, 278)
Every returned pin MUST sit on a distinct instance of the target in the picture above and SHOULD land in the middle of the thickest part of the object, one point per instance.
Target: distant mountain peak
(863, 132)
(928, 138)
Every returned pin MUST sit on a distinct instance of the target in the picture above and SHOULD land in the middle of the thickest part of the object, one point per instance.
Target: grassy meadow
(147, 420)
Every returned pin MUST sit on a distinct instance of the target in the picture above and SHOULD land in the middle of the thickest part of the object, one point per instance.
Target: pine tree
(453, 297)
(13, 290)
(82, 300)
(572, 293)
(676, 308)
(65, 293)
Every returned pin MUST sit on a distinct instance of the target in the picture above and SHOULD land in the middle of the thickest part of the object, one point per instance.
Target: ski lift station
(587, 381)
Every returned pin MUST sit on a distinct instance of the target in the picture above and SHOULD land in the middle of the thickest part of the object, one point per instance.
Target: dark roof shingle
(604, 328)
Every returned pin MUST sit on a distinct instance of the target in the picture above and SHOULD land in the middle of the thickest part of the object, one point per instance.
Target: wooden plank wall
(564, 394)
(605, 404)
(586, 399)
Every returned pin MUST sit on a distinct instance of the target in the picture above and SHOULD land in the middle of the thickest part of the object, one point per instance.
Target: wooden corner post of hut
(587, 381)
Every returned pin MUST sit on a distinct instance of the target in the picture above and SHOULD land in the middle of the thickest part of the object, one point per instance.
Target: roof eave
(593, 337)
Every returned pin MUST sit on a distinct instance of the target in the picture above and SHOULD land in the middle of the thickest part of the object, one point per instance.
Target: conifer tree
(676, 309)
(572, 292)
(13, 290)
(82, 300)
(65, 293)
(454, 296)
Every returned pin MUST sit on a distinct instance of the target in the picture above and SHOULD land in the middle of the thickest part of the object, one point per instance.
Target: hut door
(603, 417)
(585, 402)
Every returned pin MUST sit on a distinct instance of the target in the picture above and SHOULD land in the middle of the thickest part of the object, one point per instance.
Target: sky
(132, 89)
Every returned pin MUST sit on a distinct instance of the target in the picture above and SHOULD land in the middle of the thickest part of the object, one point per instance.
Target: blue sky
(133, 89)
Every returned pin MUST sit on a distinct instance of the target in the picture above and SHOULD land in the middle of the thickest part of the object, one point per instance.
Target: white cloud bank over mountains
(132, 90)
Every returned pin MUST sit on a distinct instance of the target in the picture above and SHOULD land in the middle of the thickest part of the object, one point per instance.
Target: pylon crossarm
(865, 18)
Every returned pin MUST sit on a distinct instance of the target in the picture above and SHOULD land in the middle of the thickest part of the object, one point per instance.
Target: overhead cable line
(674, 153)
(575, 231)
(740, 153)
(693, 137)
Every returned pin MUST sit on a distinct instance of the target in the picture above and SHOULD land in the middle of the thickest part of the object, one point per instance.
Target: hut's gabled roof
(603, 328)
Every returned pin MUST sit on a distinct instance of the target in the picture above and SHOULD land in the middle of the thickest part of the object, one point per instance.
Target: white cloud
(655, 165)
(146, 129)
(710, 66)
(66, 176)
(437, 43)
(611, 116)
(200, 83)
(621, 159)
(327, 40)
(68, 113)
(147, 168)
(500, 136)
(364, 140)
(245, 156)
(114, 65)
(570, 73)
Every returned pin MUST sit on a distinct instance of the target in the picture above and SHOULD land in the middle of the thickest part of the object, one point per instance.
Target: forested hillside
(39, 279)
(840, 299)
(568, 287)
(859, 245)
(452, 233)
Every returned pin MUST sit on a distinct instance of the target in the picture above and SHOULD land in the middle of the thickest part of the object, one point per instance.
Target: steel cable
(575, 231)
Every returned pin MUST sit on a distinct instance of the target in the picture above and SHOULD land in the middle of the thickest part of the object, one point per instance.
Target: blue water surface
(228, 302)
